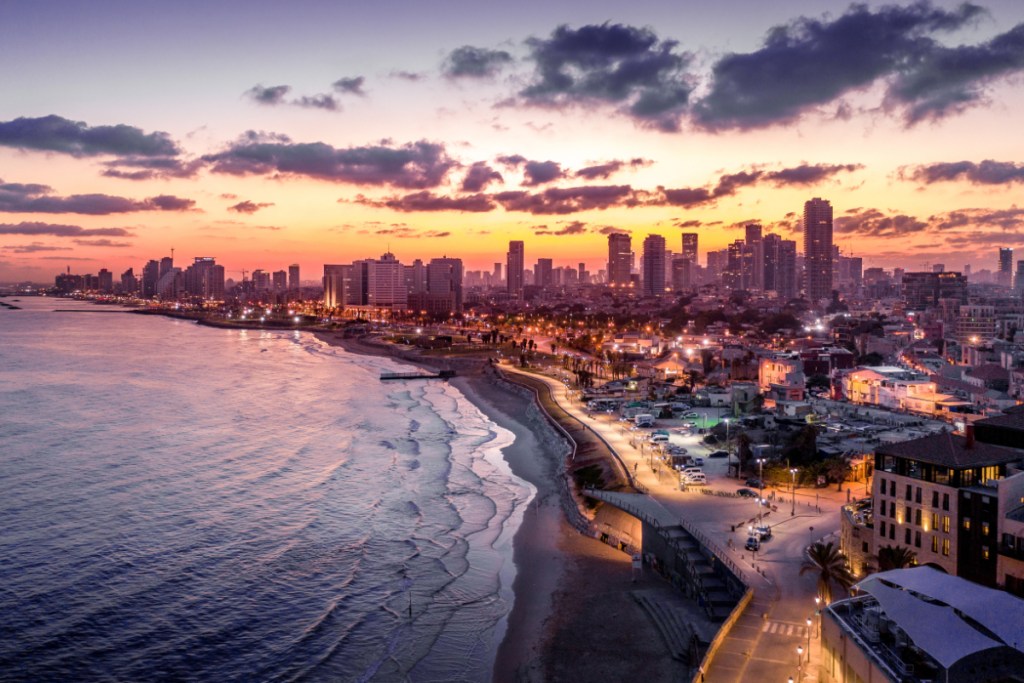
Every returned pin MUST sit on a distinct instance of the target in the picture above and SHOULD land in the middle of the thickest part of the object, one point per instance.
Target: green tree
(830, 565)
(895, 557)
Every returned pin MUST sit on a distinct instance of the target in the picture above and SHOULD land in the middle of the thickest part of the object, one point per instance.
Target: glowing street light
(792, 491)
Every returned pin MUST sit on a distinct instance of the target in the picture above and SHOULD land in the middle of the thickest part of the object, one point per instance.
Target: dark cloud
(607, 169)
(150, 168)
(272, 95)
(428, 201)
(411, 76)
(614, 64)
(541, 172)
(612, 230)
(350, 86)
(474, 62)
(33, 198)
(573, 228)
(512, 160)
(249, 207)
(687, 196)
(102, 243)
(58, 230)
(33, 248)
(479, 176)
(57, 134)
(565, 200)
(812, 62)
(692, 223)
(987, 172)
(416, 165)
(1006, 220)
(809, 174)
(404, 231)
(325, 102)
(945, 81)
(874, 223)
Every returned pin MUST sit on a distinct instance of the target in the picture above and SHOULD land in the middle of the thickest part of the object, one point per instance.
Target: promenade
(762, 644)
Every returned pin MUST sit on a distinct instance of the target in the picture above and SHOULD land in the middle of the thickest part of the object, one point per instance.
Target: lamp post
(792, 491)
(728, 449)
(800, 662)
(808, 640)
(760, 488)
(817, 613)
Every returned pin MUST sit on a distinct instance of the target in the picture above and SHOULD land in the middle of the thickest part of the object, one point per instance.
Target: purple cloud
(56, 134)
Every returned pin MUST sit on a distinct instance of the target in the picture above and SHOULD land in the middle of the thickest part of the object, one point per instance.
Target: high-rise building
(682, 273)
(166, 263)
(337, 279)
(780, 266)
(542, 273)
(150, 276)
(129, 283)
(105, 281)
(753, 259)
(1004, 276)
(654, 265)
(922, 290)
(620, 259)
(817, 250)
(690, 247)
(444, 281)
(293, 278)
(280, 281)
(496, 278)
(1018, 283)
(584, 275)
(515, 265)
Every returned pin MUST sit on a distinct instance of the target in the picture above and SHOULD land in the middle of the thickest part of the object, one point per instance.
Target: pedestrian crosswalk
(783, 628)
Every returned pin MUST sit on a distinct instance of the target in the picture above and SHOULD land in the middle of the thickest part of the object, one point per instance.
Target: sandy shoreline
(573, 617)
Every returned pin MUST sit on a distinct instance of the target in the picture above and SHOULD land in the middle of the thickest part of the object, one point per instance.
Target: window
(881, 486)
(892, 532)
(906, 536)
(917, 516)
(945, 501)
(935, 499)
(892, 509)
(935, 521)
(967, 523)
(967, 478)
(984, 529)
(991, 472)
(945, 524)
(945, 547)
(864, 547)
(917, 495)
(917, 539)
(881, 529)
(907, 495)
(935, 544)
(892, 487)
(985, 554)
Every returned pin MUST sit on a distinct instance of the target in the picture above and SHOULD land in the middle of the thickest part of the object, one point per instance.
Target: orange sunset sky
(266, 134)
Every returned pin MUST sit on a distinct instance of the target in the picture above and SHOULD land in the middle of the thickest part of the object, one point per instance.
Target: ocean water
(187, 503)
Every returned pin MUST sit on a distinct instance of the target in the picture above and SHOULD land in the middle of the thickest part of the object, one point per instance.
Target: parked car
(718, 454)
(699, 462)
(763, 532)
(691, 416)
(746, 493)
(753, 543)
(755, 482)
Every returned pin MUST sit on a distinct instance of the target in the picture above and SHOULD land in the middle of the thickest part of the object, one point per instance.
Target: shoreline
(573, 614)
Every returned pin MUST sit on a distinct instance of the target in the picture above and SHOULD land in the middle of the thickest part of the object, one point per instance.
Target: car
(763, 532)
(718, 454)
(746, 493)
(699, 462)
(753, 543)
(691, 416)
(755, 482)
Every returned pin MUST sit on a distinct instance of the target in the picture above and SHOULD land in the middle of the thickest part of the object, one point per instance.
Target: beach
(573, 616)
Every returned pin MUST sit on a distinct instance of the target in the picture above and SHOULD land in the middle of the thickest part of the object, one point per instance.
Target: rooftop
(950, 450)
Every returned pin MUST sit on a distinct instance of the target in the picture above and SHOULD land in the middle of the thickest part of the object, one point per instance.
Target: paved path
(762, 645)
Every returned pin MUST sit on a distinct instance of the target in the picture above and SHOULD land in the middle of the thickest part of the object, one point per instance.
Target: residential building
(619, 259)
(515, 265)
(689, 250)
(817, 250)
(1004, 275)
(654, 266)
(294, 284)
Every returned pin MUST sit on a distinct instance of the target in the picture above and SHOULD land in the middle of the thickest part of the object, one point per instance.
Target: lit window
(945, 547)
(935, 544)
(967, 523)
(984, 528)
(945, 524)
(984, 552)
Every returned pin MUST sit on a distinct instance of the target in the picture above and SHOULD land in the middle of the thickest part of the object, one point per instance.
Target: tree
(804, 447)
(829, 563)
(837, 469)
(743, 451)
(895, 557)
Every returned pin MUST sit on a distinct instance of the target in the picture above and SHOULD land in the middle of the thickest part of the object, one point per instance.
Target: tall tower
(293, 278)
(753, 258)
(619, 259)
(514, 265)
(654, 265)
(817, 250)
(689, 250)
(1004, 276)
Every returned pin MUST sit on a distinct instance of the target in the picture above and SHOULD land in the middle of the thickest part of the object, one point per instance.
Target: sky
(268, 133)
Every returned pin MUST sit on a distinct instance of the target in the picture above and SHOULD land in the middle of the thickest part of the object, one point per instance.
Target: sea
(180, 502)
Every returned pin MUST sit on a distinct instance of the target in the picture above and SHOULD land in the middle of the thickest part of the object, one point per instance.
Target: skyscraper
(817, 250)
(514, 266)
(689, 250)
(542, 273)
(753, 259)
(444, 280)
(654, 265)
(619, 258)
(1005, 275)
(293, 278)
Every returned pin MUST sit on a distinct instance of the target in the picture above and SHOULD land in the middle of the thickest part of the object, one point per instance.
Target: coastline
(573, 615)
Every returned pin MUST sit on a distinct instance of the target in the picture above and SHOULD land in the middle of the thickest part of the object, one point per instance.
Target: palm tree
(895, 557)
(830, 564)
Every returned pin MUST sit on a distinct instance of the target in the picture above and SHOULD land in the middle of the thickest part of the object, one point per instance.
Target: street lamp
(792, 491)
(800, 662)
(817, 613)
(728, 449)
(760, 488)
(808, 640)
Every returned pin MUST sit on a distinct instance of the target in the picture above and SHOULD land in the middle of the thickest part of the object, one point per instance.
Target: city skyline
(313, 134)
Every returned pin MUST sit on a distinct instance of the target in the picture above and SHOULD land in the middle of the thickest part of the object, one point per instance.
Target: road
(763, 644)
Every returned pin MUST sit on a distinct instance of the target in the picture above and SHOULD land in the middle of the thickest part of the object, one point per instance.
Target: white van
(694, 479)
(659, 438)
(692, 470)
(643, 420)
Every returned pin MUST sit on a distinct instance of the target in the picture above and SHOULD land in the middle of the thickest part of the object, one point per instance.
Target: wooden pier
(442, 374)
